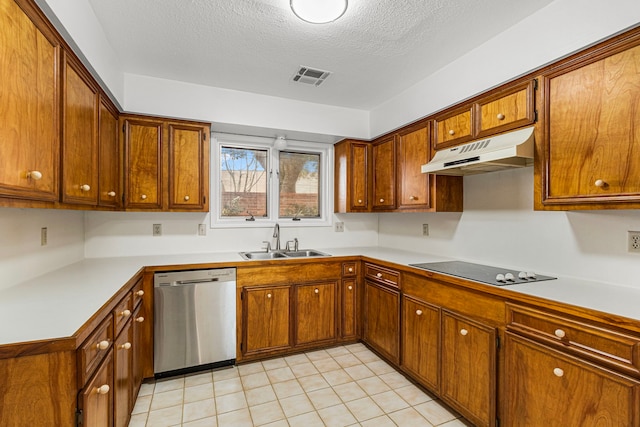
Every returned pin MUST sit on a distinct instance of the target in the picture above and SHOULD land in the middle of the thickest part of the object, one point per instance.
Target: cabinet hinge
(535, 84)
(241, 346)
(535, 116)
(79, 419)
(497, 422)
(123, 127)
(204, 199)
(497, 342)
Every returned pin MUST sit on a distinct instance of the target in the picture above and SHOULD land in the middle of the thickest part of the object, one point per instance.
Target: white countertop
(57, 304)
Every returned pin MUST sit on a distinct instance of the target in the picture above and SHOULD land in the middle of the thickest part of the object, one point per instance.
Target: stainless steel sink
(262, 255)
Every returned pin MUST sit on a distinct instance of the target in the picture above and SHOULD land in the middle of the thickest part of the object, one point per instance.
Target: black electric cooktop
(483, 273)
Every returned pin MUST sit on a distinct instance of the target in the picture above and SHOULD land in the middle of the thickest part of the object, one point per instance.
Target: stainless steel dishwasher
(194, 320)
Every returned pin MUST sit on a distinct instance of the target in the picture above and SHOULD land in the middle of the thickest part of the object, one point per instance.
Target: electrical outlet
(425, 229)
(157, 229)
(202, 229)
(634, 242)
(339, 227)
(43, 236)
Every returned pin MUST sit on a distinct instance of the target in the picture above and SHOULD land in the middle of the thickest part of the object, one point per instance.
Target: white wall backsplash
(499, 227)
(21, 255)
(130, 233)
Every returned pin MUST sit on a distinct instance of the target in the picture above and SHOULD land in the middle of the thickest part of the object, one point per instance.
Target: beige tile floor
(341, 386)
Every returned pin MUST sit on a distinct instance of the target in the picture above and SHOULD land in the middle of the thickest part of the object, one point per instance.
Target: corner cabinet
(166, 164)
(109, 186)
(30, 90)
(588, 148)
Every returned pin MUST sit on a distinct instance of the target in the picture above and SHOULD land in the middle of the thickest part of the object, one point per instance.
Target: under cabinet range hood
(506, 151)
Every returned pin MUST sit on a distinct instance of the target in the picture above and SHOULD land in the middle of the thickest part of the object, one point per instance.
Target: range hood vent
(506, 151)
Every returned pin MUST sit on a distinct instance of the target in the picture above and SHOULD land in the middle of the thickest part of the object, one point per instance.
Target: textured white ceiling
(376, 50)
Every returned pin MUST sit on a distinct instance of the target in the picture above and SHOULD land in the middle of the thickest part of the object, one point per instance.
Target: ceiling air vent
(310, 76)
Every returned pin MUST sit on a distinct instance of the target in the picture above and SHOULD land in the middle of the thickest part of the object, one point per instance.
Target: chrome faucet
(276, 235)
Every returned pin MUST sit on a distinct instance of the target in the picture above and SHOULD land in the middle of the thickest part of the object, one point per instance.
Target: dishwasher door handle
(195, 281)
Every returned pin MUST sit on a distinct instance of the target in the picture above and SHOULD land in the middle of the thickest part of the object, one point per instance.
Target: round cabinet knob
(558, 372)
(509, 277)
(103, 389)
(413, 198)
(126, 346)
(350, 269)
(268, 295)
(350, 287)
(381, 200)
(125, 313)
(379, 275)
(85, 187)
(359, 200)
(140, 319)
(140, 293)
(522, 275)
(419, 312)
(560, 333)
(186, 198)
(500, 278)
(452, 132)
(316, 290)
(600, 183)
(464, 332)
(111, 194)
(102, 345)
(143, 197)
(500, 116)
(35, 175)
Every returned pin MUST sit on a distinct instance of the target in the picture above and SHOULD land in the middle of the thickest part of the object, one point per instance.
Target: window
(256, 185)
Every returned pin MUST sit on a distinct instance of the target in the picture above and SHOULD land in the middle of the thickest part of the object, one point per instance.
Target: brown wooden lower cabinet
(315, 307)
(349, 308)
(381, 313)
(545, 387)
(468, 366)
(138, 352)
(266, 318)
(421, 341)
(96, 399)
(122, 378)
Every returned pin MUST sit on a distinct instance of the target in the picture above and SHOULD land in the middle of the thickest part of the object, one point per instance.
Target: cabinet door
(382, 319)
(349, 308)
(421, 341)
(266, 313)
(96, 398)
(506, 110)
(122, 378)
(453, 128)
(29, 106)
(359, 176)
(384, 174)
(469, 368)
(79, 136)
(109, 161)
(143, 164)
(413, 152)
(188, 175)
(592, 145)
(137, 348)
(316, 310)
(547, 388)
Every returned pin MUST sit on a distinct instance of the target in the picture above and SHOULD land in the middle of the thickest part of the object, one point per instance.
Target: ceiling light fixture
(319, 11)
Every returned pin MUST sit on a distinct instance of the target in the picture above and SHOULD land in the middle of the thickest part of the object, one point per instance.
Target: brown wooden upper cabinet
(509, 108)
(384, 173)
(110, 193)
(413, 152)
(589, 146)
(166, 164)
(79, 135)
(30, 146)
(352, 176)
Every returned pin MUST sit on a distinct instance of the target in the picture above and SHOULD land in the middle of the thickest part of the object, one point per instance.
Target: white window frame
(260, 143)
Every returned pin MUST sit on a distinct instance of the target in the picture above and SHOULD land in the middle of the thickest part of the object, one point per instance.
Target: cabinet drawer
(122, 313)
(453, 129)
(588, 340)
(349, 269)
(506, 110)
(382, 275)
(138, 293)
(94, 349)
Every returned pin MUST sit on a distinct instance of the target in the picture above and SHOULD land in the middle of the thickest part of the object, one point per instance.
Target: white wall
(129, 233)
(562, 27)
(22, 257)
(499, 227)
